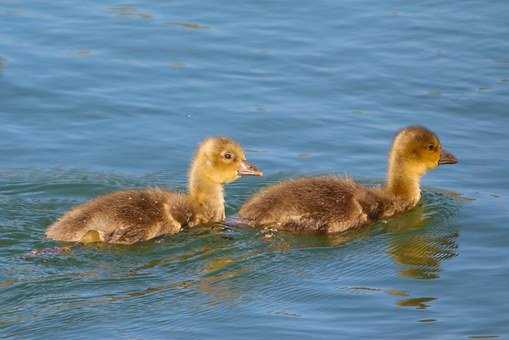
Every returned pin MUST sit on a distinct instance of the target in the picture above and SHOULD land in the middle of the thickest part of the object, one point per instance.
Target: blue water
(99, 96)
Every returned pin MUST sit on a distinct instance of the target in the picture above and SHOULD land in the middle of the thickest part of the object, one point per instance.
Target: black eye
(431, 147)
(228, 155)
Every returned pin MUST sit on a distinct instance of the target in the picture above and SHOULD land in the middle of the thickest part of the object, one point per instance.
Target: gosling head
(222, 160)
(419, 150)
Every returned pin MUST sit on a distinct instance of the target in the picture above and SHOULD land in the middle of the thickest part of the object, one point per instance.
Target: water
(98, 96)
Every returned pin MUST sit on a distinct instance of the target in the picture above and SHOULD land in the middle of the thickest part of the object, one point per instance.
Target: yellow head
(418, 150)
(221, 160)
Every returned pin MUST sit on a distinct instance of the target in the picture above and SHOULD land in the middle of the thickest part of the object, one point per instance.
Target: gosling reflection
(419, 247)
(218, 279)
(418, 303)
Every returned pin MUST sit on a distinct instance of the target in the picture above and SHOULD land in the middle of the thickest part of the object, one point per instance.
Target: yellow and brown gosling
(331, 204)
(131, 216)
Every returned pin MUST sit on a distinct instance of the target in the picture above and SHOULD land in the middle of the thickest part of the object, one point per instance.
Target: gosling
(332, 204)
(131, 216)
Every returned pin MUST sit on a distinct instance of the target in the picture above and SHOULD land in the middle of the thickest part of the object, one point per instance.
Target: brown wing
(317, 204)
(123, 217)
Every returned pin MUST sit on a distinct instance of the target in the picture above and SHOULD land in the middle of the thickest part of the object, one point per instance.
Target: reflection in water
(189, 25)
(130, 11)
(216, 281)
(419, 250)
(397, 292)
(423, 254)
(419, 303)
(414, 302)
(7, 283)
(418, 242)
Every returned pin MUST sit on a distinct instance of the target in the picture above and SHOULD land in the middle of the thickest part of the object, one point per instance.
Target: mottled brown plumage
(124, 217)
(332, 204)
(127, 217)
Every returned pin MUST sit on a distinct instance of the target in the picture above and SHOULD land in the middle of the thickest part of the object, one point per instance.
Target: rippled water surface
(98, 96)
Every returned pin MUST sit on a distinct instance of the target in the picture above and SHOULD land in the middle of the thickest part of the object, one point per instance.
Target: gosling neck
(207, 196)
(403, 180)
